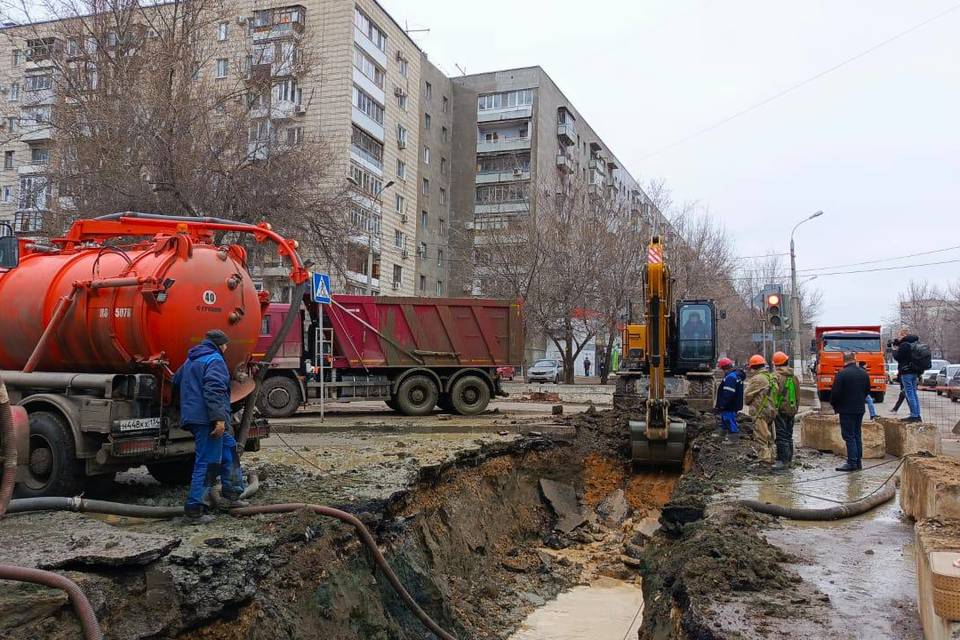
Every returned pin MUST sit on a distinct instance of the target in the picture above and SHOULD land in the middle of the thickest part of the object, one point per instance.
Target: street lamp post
(377, 201)
(795, 296)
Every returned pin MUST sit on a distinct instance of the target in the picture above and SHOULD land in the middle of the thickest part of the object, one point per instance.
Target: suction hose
(847, 510)
(140, 511)
(9, 450)
(88, 619)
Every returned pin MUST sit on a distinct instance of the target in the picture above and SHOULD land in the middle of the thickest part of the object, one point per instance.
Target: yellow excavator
(670, 355)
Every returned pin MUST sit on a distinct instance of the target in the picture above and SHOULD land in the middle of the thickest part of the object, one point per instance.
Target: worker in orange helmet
(761, 395)
(788, 391)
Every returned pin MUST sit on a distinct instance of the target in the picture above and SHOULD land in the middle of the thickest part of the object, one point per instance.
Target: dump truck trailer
(414, 354)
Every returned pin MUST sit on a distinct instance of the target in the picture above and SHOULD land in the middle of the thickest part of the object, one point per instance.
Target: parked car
(946, 374)
(546, 371)
(506, 373)
(892, 372)
(953, 387)
(929, 377)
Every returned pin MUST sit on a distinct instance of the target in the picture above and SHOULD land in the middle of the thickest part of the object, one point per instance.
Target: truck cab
(864, 342)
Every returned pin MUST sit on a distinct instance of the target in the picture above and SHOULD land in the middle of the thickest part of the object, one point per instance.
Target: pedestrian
(761, 395)
(789, 393)
(851, 386)
(871, 408)
(203, 384)
(586, 366)
(730, 397)
(911, 356)
(900, 398)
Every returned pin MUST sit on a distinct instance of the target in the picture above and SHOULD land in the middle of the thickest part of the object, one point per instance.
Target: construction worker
(203, 384)
(730, 396)
(789, 393)
(761, 395)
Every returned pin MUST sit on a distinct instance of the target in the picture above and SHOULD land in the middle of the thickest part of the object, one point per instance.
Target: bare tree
(150, 110)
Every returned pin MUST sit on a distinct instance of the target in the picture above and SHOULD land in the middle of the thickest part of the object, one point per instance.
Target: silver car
(546, 371)
(946, 373)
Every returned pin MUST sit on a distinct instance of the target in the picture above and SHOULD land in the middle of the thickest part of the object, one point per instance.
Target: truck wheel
(53, 468)
(878, 397)
(417, 396)
(279, 397)
(469, 396)
(392, 403)
(172, 474)
(824, 396)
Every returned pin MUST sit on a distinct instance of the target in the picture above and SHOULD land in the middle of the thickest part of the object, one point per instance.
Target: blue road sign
(321, 288)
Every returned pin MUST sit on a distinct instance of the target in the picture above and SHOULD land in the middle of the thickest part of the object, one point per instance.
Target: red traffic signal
(773, 300)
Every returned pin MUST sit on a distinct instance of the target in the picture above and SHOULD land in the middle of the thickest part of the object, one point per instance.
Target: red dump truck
(830, 343)
(413, 353)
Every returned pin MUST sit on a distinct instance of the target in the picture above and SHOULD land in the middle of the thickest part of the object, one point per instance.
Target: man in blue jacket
(730, 395)
(203, 383)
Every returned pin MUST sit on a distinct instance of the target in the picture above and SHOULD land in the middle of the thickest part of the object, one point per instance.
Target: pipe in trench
(142, 511)
(838, 512)
(88, 619)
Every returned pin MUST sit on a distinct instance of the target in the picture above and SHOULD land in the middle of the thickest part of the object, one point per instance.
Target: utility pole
(795, 300)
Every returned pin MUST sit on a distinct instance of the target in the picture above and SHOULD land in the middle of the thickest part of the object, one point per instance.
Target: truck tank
(122, 309)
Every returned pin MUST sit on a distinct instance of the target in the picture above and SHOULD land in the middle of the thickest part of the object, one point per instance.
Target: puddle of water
(608, 609)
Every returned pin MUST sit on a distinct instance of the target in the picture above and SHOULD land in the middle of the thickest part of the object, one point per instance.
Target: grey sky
(876, 144)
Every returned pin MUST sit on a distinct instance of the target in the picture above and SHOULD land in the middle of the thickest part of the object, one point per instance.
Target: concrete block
(934, 535)
(822, 432)
(930, 487)
(903, 439)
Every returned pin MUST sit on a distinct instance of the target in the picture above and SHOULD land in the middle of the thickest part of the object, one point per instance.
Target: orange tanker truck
(864, 341)
(94, 324)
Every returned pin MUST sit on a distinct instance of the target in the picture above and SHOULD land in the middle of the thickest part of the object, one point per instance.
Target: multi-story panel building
(515, 131)
(436, 166)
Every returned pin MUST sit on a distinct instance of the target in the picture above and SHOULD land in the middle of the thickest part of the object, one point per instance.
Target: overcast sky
(875, 144)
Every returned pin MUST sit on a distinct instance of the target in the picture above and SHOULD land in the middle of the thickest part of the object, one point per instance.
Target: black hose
(83, 505)
(838, 512)
(88, 619)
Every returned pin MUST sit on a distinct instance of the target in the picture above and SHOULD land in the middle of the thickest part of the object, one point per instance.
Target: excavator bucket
(650, 451)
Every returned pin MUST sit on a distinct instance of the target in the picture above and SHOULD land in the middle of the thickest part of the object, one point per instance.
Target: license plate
(137, 424)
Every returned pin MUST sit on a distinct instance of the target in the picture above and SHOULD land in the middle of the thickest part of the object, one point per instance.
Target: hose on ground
(838, 512)
(8, 479)
(88, 619)
(141, 511)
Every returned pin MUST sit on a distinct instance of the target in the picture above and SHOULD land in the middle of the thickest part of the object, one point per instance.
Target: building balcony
(509, 113)
(366, 160)
(567, 133)
(371, 49)
(502, 145)
(360, 279)
(565, 163)
(503, 176)
(363, 240)
(32, 168)
(277, 31)
(368, 86)
(368, 124)
(37, 97)
(595, 189)
(598, 166)
(37, 133)
(501, 207)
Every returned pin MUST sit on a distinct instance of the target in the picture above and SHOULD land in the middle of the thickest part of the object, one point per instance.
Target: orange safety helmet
(757, 361)
(780, 358)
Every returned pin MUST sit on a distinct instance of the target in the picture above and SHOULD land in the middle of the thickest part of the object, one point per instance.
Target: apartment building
(515, 130)
(361, 94)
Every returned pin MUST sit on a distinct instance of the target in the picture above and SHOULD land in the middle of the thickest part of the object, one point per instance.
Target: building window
(442, 226)
(505, 100)
(401, 170)
(7, 194)
(11, 124)
(14, 92)
(38, 82)
(222, 67)
(401, 203)
(8, 159)
(401, 136)
(39, 155)
(294, 136)
(439, 257)
(425, 187)
(426, 155)
(401, 99)
(17, 57)
(366, 104)
(368, 67)
(422, 249)
(398, 238)
(367, 147)
(368, 28)
(443, 166)
(426, 121)
(439, 287)
(365, 181)
(33, 192)
(445, 104)
(222, 29)
(423, 283)
(424, 217)
(443, 196)
(428, 91)
(397, 276)
(444, 134)
(501, 193)
(288, 91)
(403, 66)
(516, 163)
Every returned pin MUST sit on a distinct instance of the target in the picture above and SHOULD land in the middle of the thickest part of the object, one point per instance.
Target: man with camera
(913, 358)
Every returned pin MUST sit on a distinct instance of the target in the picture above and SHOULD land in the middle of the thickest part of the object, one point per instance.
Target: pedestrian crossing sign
(321, 288)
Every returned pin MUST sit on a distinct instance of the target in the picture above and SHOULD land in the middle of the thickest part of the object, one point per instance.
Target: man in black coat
(849, 393)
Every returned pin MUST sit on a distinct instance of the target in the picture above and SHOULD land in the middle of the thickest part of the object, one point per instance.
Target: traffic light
(773, 303)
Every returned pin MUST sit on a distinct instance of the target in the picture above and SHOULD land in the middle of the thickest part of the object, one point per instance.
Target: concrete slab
(930, 487)
(934, 535)
(822, 432)
(905, 438)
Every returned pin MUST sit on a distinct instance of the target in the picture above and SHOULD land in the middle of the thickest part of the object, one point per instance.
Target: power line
(879, 260)
(906, 266)
(799, 85)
